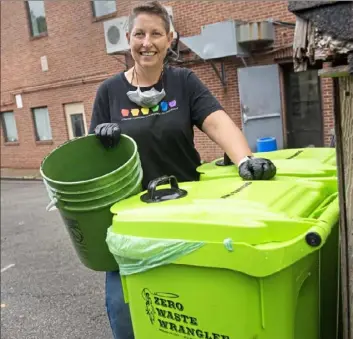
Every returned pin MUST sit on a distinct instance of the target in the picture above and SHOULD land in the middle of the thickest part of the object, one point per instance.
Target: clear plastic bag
(139, 254)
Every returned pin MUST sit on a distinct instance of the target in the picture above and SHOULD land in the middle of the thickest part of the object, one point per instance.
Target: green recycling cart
(224, 258)
(325, 155)
(306, 163)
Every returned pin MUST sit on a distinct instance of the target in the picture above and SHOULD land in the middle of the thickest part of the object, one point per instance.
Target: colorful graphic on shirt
(135, 112)
(163, 107)
(125, 112)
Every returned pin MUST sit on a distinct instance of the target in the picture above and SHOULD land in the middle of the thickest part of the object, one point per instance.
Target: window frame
(3, 125)
(72, 108)
(30, 26)
(36, 135)
(104, 16)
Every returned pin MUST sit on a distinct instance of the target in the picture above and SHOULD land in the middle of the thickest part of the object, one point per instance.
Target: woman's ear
(170, 39)
(128, 37)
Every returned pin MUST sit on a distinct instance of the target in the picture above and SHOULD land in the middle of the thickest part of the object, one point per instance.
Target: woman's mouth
(148, 53)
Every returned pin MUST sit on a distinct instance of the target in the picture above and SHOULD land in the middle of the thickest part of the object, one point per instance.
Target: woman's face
(149, 41)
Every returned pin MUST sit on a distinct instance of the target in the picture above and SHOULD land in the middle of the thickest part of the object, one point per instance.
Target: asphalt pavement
(45, 291)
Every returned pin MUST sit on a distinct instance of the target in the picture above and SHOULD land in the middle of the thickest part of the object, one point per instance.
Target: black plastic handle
(154, 195)
(225, 161)
(152, 186)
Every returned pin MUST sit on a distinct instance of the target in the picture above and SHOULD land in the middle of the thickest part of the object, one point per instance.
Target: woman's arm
(221, 129)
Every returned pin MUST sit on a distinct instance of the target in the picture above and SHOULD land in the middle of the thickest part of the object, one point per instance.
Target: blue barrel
(266, 144)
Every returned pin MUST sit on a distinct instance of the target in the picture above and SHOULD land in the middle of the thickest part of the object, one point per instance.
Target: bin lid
(295, 167)
(268, 223)
(294, 198)
(322, 154)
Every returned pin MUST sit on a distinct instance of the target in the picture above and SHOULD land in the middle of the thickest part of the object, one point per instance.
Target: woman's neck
(144, 77)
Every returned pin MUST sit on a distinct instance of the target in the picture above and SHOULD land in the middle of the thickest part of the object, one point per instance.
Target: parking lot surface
(45, 291)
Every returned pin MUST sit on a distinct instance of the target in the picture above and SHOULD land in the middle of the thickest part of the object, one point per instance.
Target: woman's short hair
(150, 7)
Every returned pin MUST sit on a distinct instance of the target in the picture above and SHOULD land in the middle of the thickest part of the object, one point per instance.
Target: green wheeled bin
(224, 258)
(305, 162)
(84, 180)
(325, 155)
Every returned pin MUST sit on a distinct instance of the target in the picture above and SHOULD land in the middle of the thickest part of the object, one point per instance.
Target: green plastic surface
(83, 165)
(296, 197)
(306, 163)
(87, 230)
(84, 180)
(255, 267)
(325, 155)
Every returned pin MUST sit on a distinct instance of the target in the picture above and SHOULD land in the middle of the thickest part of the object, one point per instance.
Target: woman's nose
(147, 41)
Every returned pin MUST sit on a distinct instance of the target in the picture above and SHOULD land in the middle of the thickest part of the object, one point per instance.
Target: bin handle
(225, 161)
(162, 181)
(318, 211)
(174, 189)
(327, 220)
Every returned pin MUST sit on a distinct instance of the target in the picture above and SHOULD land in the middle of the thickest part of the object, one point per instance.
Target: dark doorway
(304, 117)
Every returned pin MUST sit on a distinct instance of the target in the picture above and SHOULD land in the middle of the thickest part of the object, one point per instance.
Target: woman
(158, 106)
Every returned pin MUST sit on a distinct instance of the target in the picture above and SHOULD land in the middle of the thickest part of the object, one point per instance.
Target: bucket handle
(52, 205)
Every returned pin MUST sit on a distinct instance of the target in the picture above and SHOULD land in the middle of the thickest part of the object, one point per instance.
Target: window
(75, 118)
(9, 126)
(78, 128)
(42, 123)
(36, 15)
(103, 7)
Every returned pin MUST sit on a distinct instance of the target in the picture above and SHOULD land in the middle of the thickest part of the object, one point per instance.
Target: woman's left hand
(257, 169)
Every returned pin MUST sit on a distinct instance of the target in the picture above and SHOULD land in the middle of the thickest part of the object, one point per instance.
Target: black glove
(257, 169)
(108, 134)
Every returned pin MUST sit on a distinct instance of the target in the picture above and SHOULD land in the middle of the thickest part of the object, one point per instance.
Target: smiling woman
(150, 38)
(158, 106)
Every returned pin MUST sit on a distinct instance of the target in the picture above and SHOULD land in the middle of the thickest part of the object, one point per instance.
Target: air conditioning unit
(115, 32)
(115, 35)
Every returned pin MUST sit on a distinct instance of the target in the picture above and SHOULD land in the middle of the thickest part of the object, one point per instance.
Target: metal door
(260, 104)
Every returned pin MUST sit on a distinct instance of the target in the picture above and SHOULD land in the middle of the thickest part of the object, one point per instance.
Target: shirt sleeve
(202, 102)
(101, 110)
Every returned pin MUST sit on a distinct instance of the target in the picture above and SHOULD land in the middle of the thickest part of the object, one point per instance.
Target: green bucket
(84, 180)
(84, 165)
(88, 224)
(82, 197)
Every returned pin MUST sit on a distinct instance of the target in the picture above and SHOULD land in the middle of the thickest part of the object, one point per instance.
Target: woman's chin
(150, 62)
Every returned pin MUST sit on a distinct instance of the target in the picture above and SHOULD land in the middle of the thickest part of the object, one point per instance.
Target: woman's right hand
(108, 134)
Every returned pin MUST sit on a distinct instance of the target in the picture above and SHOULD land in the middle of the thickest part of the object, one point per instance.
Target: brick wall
(77, 61)
(28, 152)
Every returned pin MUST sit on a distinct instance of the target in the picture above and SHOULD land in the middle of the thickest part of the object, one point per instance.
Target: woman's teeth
(148, 53)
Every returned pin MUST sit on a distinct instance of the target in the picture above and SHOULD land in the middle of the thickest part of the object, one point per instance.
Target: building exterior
(54, 56)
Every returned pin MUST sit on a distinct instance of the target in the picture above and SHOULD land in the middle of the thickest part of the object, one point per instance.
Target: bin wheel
(313, 239)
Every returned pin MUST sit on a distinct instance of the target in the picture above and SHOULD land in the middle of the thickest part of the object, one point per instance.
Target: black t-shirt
(164, 134)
